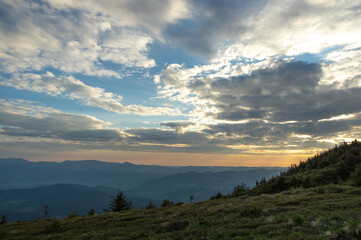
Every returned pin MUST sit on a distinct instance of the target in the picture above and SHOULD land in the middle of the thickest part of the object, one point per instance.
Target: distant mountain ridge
(89, 180)
(61, 199)
(20, 173)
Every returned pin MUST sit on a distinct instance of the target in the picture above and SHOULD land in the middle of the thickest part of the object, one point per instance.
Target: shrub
(73, 214)
(356, 176)
(91, 212)
(150, 205)
(240, 190)
(3, 220)
(176, 225)
(217, 196)
(297, 219)
(253, 211)
(167, 203)
(55, 226)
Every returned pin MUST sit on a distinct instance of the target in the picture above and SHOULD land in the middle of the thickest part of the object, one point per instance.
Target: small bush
(358, 230)
(3, 220)
(167, 203)
(54, 227)
(150, 205)
(73, 214)
(176, 225)
(240, 190)
(250, 211)
(335, 189)
(217, 196)
(91, 212)
(297, 219)
(356, 176)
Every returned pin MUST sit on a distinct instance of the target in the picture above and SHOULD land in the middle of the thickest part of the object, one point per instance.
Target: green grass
(328, 212)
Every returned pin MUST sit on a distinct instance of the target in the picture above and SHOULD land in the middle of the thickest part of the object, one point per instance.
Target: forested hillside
(341, 164)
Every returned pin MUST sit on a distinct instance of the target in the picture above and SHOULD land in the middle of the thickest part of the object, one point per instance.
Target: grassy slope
(325, 212)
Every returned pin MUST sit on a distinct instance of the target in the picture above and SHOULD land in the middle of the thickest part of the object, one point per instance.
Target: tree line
(341, 164)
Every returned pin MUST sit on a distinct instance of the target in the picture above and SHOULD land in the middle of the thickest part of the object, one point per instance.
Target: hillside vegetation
(318, 199)
(339, 165)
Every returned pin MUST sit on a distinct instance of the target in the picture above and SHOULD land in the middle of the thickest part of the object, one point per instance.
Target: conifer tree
(91, 212)
(46, 211)
(119, 203)
(3, 220)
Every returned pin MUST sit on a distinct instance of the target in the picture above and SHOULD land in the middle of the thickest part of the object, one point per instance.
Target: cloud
(25, 121)
(253, 96)
(71, 88)
(153, 15)
(263, 28)
(286, 91)
(343, 68)
(272, 105)
(22, 118)
(165, 136)
(215, 20)
(29, 122)
(262, 133)
(268, 93)
(82, 36)
(179, 127)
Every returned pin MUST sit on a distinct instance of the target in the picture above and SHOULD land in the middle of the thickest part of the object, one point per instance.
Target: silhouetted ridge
(348, 154)
(339, 164)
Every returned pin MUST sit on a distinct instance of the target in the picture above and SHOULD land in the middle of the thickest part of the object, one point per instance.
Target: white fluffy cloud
(79, 36)
(343, 67)
(153, 15)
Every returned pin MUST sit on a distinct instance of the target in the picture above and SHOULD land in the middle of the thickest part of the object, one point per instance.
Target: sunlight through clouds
(180, 76)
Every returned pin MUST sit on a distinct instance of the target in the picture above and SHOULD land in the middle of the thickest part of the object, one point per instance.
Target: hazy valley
(82, 185)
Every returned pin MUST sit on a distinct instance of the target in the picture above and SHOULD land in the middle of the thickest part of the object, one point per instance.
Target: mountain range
(25, 187)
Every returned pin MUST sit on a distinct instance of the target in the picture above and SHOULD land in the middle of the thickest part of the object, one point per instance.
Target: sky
(179, 82)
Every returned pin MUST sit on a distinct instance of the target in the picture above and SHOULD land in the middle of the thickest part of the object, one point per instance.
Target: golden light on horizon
(178, 159)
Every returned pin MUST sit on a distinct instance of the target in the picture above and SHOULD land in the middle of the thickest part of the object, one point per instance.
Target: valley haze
(25, 187)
